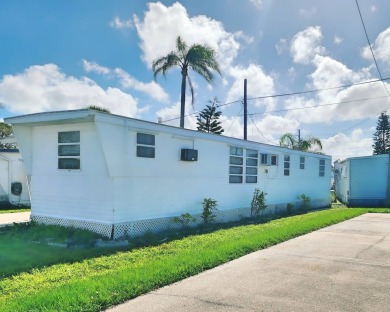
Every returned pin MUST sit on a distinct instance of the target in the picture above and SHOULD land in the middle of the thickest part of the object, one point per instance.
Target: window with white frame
(268, 160)
(286, 165)
(146, 145)
(322, 167)
(236, 165)
(301, 162)
(69, 150)
(251, 166)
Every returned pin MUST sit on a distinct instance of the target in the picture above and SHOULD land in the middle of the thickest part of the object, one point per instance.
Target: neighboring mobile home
(362, 181)
(122, 176)
(13, 184)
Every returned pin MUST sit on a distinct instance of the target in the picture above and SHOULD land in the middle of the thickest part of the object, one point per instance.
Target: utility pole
(245, 112)
(299, 135)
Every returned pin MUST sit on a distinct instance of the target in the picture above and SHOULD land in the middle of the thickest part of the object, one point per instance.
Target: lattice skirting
(140, 227)
(100, 228)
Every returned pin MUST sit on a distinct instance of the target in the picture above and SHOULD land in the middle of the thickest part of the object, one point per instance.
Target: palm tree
(200, 58)
(288, 140)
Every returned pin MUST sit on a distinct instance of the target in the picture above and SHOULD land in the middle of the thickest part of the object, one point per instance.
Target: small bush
(290, 208)
(305, 202)
(184, 220)
(209, 207)
(258, 203)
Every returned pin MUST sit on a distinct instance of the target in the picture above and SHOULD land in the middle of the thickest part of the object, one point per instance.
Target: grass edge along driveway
(95, 284)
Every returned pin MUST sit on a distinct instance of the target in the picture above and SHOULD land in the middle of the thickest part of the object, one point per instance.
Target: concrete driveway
(344, 267)
(15, 217)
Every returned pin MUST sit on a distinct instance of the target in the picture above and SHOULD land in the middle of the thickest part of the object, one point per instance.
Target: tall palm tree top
(200, 58)
(288, 140)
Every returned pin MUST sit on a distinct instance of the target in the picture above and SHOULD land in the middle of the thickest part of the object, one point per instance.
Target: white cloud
(281, 46)
(337, 40)
(46, 88)
(341, 146)
(292, 73)
(305, 45)
(117, 23)
(241, 35)
(173, 112)
(267, 129)
(257, 3)
(95, 68)
(167, 23)
(331, 73)
(308, 13)
(373, 8)
(258, 83)
(152, 88)
(381, 47)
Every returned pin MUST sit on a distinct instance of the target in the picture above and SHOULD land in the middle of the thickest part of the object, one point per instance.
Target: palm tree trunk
(183, 98)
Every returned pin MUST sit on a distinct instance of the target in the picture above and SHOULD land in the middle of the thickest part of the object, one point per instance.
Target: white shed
(13, 184)
(362, 181)
(122, 176)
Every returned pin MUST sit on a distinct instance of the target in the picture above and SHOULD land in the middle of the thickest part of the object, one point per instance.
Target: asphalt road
(344, 267)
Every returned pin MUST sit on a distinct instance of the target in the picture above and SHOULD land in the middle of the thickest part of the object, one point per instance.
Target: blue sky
(60, 55)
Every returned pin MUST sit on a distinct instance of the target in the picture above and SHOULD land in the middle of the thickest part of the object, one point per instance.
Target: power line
(250, 115)
(234, 120)
(320, 105)
(369, 44)
(318, 90)
(288, 94)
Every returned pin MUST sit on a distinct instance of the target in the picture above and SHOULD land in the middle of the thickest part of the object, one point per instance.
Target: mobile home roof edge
(81, 115)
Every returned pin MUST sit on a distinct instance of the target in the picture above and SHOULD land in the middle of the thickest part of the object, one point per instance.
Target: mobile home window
(301, 162)
(69, 150)
(236, 165)
(251, 166)
(145, 145)
(264, 159)
(322, 167)
(286, 165)
(274, 160)
(268, 159)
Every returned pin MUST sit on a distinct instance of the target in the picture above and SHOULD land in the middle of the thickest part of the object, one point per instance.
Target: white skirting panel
(140, 227)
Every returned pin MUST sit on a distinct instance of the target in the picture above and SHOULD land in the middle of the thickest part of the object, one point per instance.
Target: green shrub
(305, 202)
(184, 220)
(209, 207)
(258, 203)
(290, 208)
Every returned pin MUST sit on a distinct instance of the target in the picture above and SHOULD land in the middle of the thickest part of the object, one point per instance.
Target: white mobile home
(362, 181)
(13, 184)
(122, 176)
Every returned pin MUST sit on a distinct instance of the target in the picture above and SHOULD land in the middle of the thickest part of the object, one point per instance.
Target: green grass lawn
(14, 209)
(98, 282)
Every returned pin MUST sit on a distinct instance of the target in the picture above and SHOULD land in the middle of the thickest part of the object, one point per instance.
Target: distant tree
(6, 131)
(208, 118)
(199, 58)
(98, 108)
(381, 137)
(307, 145)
